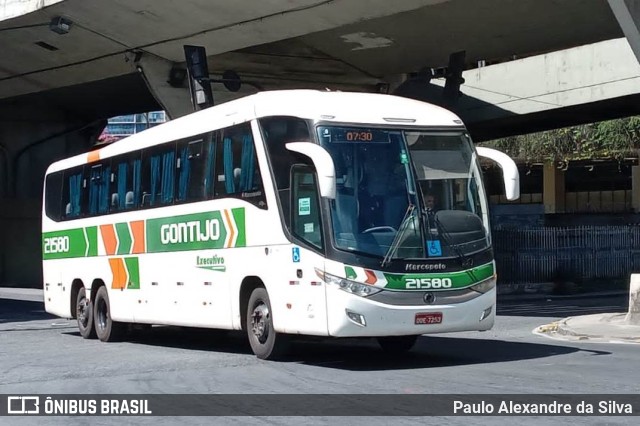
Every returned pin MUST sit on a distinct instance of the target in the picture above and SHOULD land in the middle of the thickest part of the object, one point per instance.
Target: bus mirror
(323, 163)
(509, 171)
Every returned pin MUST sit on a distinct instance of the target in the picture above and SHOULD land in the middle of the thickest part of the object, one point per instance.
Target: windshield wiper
(444, 234)
(401, 230)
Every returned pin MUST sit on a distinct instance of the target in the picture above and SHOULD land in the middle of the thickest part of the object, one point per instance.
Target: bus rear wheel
(107, 330)
(397, 344)
(84, 315)
(265, 342)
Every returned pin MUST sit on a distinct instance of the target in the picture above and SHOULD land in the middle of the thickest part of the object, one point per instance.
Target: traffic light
(453, 77)
(198, 72)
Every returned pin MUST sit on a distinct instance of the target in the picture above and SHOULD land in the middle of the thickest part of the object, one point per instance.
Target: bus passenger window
(125, 186)
(98, 179)
(305, 207)
(53, 195)
(195, 165)
(72, 193)
(237, 170)
(158, 176)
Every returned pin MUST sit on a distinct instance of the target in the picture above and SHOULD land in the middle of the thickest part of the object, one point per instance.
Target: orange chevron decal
(232, 233)
(137, 229)
(93, 156)
(109, 239)
(371, 277)
(119, 273)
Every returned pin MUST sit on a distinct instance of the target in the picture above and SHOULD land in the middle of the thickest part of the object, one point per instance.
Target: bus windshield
(405, 193)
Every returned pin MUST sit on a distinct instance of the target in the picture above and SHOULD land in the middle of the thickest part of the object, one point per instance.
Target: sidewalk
(29, 294)
(596, 328)
(548, 290)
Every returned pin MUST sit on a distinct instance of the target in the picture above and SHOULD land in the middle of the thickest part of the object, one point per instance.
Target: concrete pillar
(633, 316)
(553, 191)
(32, 136)
(176, 101)
(635, 188)
(627, 12)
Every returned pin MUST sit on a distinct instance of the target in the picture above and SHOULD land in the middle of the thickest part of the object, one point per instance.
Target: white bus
(282, 213)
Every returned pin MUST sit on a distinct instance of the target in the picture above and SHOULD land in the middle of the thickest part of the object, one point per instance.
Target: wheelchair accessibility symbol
(295, 254)
(434, 249)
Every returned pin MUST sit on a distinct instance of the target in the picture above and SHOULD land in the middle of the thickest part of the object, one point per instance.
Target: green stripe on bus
(198, 231)
(133, 270)
(350, 273)
(238, 217)
(92, 237)
(459, 279)
(69, 243)
(124, 238)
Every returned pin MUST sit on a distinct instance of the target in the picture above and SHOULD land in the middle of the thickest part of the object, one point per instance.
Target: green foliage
(614, 139)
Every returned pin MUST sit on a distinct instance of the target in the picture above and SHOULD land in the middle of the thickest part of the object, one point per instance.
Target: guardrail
(566, 253)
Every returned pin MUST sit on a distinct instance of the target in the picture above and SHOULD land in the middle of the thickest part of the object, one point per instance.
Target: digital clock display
(353, 135)
(359, 135)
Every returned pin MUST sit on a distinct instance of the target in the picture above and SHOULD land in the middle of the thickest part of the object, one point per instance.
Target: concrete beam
(176, 101)
(555, 80)
(12, 8)
(627, 12)
(633, 316)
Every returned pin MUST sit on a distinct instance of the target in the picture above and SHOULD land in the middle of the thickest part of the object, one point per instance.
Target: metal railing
(567, 254)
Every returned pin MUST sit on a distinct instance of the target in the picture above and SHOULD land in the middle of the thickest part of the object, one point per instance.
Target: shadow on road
(356, 354)
(429, 352)
(554, 307)
(22, 311)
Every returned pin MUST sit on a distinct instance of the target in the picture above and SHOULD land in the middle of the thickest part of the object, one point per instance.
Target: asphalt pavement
(44, 354)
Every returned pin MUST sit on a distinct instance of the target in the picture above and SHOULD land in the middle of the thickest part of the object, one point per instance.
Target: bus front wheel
(265, 342)
(397, 344)
(84, 315)
(107, 330)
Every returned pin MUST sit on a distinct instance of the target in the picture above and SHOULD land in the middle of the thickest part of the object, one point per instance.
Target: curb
(539, 296)
(563, 331)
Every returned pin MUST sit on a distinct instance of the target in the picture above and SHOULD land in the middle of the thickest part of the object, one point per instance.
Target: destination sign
(353, 135)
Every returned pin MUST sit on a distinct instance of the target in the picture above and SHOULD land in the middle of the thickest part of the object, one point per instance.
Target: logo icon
(429, 298)
(434, 248)
(295, 254)
(23, 405)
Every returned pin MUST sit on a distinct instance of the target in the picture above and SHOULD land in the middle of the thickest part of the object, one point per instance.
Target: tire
(397, 344)
(84, 315)
(265, 342)
(107, 330)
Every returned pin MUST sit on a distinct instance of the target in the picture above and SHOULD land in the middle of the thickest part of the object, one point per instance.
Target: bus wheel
(397, 344)
(264, 341)
(84, 315)
(106, 329)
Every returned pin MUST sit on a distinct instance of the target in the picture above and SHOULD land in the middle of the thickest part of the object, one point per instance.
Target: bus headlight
(347, 285)
(485, 286)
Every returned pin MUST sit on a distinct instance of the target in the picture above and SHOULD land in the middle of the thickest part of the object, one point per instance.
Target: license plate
(429, 318)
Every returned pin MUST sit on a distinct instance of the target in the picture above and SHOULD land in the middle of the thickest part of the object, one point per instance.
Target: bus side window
(237, 168)
(53, 196)
(72, 193)
(125, 182)
(195, 169)
(158, 175)
(305, 206)
(98, 177)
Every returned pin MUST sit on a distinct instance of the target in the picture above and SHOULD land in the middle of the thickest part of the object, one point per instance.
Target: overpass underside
(585, 84)
(57, 90)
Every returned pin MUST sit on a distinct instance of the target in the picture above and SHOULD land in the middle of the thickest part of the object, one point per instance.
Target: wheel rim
(82, 311)
(260, 322)
(102, 314)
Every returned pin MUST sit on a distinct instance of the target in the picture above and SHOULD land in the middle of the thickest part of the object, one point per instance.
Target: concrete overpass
(56, 90)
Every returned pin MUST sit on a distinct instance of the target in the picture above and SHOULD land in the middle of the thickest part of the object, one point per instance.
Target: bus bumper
(354, 316)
